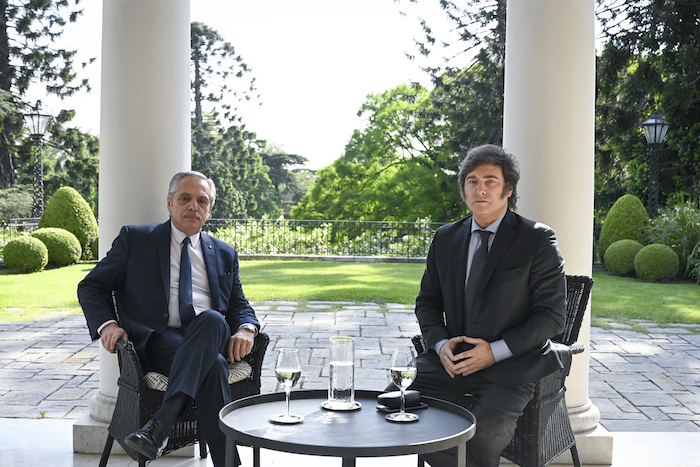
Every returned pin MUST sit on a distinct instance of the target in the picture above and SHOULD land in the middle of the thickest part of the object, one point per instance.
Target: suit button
(165, 315)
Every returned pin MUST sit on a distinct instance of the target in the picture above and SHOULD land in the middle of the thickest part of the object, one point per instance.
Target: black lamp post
(37, 123)
(655, 131)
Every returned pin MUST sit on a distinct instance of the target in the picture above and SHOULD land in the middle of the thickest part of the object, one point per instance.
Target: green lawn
(625, 299)
(27, 296)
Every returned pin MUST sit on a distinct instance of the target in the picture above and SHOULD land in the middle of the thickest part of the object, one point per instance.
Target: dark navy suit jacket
(521, 296)
(134, 279)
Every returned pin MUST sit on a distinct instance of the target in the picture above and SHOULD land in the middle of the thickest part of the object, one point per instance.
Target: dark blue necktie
(185, 285)
(477, 269)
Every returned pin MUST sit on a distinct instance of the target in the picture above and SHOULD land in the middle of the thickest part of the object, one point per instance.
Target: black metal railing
(300, 237)
(325, 237)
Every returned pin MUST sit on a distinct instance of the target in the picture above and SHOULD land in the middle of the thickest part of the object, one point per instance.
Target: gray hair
(494, 155)
(175, 182)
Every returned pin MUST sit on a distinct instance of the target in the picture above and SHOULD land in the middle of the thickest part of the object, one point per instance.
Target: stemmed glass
(288, 370)
(403, 372)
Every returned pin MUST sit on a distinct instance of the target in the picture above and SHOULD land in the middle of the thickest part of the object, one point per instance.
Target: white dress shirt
(201, 297)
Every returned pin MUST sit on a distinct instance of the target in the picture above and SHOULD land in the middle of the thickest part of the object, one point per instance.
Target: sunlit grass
(304, 280)
(24, 297)
(623, 299)
(627, 298)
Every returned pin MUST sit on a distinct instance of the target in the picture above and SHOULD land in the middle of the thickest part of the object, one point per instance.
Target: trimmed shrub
(619, 257)
(625, 221)
(68, 210)
(64, 247)
(656, 262)
(28, 254)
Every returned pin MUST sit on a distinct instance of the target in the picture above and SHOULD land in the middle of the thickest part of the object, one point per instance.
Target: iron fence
(300, 237)
(325, 237)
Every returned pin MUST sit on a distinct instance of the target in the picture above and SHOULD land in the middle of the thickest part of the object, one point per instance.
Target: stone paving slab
(639, 381)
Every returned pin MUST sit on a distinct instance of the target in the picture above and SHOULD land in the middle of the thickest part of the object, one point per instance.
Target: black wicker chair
(544, 431)
(140, 397)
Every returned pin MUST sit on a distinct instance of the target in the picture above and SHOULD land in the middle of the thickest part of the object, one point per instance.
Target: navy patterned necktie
(185, 285)
(477, 268)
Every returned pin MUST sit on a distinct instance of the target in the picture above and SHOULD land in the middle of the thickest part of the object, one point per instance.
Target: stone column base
(101, 407)
(89, 437)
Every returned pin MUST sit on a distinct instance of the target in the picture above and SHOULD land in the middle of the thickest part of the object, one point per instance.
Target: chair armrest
(257, 354)
(577, 347)
(130, 370)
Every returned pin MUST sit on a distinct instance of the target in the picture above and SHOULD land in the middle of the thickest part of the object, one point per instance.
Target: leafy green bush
(28, 254)
(656, 262)
(64, 247)
(619, 257)
(16, 202)
(679, 228)
(626, 220)
(68, 210)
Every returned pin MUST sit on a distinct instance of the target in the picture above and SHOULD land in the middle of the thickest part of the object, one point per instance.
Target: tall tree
(219, 76)
(468, 86)
(397, 168)
(28, 31)
(224, 149)
(232, 160)
(288, 183)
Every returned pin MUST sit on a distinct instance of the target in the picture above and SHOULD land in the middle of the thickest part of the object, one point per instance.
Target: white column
(549, 126)
(144, 127)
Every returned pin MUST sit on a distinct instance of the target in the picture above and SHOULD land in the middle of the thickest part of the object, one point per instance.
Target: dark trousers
(495, 407)
(195, 365)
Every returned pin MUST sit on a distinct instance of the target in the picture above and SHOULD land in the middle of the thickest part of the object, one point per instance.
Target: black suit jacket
(137, 271)
(521, 295)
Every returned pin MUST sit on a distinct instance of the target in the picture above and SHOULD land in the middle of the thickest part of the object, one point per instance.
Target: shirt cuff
(439, 345)
(249, 327)
(500, 350)
(99, 330)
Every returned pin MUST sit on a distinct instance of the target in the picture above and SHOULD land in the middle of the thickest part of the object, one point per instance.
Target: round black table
(361, 433)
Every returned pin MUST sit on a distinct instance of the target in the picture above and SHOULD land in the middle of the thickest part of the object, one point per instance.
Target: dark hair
(175, 181)
(494, 155)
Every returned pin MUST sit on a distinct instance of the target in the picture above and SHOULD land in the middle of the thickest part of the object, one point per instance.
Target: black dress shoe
(149, 441)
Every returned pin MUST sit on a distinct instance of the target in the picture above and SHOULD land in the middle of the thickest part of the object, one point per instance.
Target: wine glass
(403, 372)
(288, 370)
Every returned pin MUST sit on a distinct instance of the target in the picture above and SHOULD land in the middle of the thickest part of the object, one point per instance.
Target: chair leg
(574, 456)
(106, 451)
(421, 462)
(202, 448)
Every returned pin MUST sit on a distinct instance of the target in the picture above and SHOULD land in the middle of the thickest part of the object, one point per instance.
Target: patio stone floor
(644, 382)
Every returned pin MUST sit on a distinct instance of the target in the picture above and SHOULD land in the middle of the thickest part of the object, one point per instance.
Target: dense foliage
(678, 227)
(391, 170)
(16, 202)
(650, 62)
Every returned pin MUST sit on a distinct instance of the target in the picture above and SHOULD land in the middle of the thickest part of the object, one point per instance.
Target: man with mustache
(492, 295)
(179, 299)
